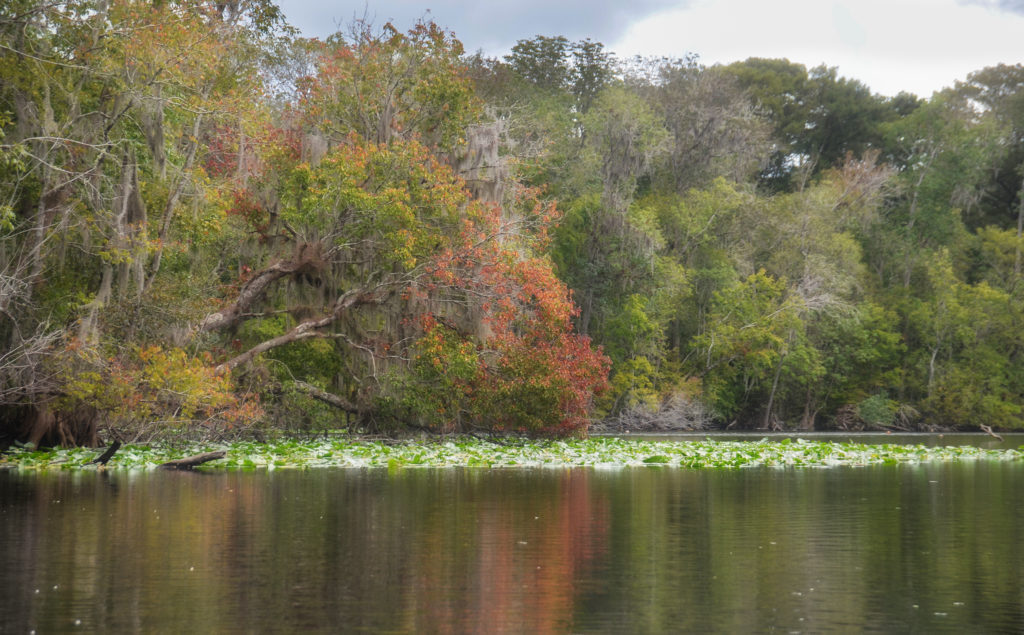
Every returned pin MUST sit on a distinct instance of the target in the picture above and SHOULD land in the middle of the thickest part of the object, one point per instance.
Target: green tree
(591, 71)
(999, 92)
(543, 61)
(967, 353)
(819, 117)
(753, 327)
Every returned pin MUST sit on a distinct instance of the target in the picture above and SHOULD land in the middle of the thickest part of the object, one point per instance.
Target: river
(924, 548)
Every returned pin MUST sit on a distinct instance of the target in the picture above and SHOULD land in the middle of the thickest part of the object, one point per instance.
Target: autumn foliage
(208, 222)
(529, 372)
(151, 386)
(441, 309)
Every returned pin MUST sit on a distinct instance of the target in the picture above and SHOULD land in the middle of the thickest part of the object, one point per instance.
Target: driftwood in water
(190, 462)
(989, 432)
(103, 458)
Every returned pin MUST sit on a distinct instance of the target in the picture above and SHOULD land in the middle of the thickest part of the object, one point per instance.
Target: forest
(211, 225)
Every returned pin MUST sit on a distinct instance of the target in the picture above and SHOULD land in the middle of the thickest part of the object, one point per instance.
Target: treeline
(209, 223)
(769, 246)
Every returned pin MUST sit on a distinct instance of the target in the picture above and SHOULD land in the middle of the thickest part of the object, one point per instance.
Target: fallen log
(190, 462)
(103, 458)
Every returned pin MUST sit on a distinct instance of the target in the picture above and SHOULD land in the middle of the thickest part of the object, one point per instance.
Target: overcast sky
(890, 45)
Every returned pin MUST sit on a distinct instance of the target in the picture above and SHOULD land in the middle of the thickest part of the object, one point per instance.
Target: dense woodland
(209, 224)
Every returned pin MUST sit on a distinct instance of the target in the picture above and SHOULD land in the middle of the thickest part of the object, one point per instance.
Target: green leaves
(394, 202)
(7, 219)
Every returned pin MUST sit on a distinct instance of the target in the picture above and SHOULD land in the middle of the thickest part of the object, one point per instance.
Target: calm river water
(900, 549)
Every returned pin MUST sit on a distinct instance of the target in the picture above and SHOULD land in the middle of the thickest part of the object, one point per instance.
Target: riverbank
(598, 452)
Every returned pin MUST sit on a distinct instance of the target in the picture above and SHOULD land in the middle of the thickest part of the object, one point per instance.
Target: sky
(917, 46)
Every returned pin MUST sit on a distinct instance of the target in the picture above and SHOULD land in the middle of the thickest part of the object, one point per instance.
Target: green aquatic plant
(601, 452)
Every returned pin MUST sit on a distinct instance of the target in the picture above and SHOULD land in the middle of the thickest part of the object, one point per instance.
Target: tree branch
(252, 291)
(307, 329)
(328, 398)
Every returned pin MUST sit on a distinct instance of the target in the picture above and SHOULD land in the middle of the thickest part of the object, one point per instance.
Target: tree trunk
(151, 117)
(172, 199)
(252, 292)
(328, 398)
(931, 369)
(87, 329)
(807, 421)
(36, 254)
(771, 396)
(305, 330)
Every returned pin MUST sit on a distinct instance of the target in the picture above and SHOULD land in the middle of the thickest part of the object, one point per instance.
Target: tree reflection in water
(530, 550)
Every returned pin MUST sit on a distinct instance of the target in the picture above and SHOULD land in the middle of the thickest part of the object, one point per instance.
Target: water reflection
(642, 550)
(1005, 441)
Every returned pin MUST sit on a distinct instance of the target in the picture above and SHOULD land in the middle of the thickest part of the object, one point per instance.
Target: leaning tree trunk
(308, 260)
(308, 329)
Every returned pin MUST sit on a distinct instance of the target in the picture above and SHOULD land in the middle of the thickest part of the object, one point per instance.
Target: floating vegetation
(471, 452)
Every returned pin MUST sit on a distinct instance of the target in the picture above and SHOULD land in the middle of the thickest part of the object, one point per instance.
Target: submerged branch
(989, 432)
(105, 457)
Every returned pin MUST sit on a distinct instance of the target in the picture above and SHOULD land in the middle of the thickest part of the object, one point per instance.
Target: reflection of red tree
(569, 546)
(517, 569)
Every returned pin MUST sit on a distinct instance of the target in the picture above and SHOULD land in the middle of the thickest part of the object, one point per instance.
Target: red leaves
(537, 376)
(246, 206)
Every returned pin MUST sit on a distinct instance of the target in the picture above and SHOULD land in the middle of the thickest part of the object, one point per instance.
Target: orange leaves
(536, 376)
(524, 370)
(494, 346)
(180, 48)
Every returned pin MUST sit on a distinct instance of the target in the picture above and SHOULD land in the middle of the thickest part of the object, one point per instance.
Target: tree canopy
(209, 224)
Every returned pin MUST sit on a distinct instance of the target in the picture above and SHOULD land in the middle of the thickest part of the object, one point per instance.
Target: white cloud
(494, 27)
(890, 45)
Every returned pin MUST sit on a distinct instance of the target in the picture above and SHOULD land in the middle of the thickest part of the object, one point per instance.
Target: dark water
(925, 549)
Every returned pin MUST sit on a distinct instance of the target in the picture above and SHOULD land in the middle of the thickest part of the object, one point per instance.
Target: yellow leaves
(407, 243)
(115, 256)
(151, 382)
